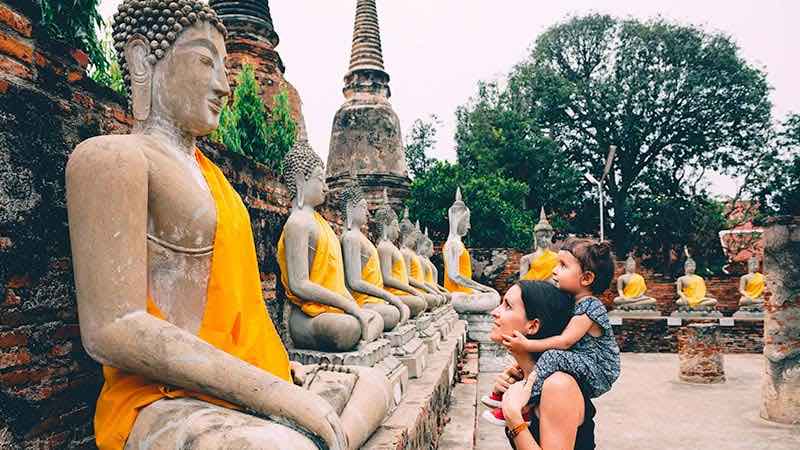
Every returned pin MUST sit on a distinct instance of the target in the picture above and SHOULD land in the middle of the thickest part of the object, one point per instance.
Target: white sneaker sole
(488, 401)
(489, 417)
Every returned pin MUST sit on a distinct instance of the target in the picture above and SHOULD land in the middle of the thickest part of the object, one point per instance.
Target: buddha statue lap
(692, 293)
(362, 264)
(631, 289)
(751, 288)
(540, 264)
(323, 315)
(468, 295)
(167, 280)
(416, 277)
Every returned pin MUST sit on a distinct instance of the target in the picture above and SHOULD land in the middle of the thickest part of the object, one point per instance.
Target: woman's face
(509, 316)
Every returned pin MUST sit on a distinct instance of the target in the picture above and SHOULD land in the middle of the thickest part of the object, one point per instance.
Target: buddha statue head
(408, 235)
(752, 265)
(543, 232)
(172, 56)
(630, 264)
(689, 266)
(427, 245)
(304, 175)
(459, 216)
(353, 205)
(386, 220)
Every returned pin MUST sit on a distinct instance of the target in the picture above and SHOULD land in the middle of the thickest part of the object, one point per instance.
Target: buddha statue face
(630, 265)
(315, 189)
(187, 86)
(464, 224)
(689, 267)
(358, 214)
(544, 237)
(393, 230)
(752, 265)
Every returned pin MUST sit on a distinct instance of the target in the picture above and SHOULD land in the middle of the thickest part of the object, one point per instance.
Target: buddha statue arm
(388, 278)
(524, 265)
(743, 287)
(452, 254)
(352, 271)
(107, 195)
(679, 287)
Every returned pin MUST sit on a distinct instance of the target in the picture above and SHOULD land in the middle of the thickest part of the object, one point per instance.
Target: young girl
(586, 349)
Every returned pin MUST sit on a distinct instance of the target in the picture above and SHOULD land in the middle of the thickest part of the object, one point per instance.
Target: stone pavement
(649, 409)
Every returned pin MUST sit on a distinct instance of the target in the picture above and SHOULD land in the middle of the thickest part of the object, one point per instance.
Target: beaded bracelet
(517, 429)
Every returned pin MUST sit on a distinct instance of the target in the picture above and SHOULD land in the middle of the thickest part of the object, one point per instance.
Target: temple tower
(252, 39)
(366, 140)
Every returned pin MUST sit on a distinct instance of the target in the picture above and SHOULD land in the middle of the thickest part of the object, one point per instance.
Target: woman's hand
(515, 399)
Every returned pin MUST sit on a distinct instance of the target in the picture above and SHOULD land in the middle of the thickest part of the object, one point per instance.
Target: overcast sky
(437, 50)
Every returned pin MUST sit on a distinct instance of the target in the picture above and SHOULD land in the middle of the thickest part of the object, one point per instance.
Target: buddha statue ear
(140, 66)
(299, 187)
(348, 216)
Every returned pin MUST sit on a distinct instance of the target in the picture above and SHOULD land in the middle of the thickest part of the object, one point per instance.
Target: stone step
(459, 433)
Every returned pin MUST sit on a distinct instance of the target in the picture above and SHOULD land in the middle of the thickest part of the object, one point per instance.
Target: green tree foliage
(778, 192)
(76, 23)
(111, 76)
(498, 217)
(496, 134)
(419, 140)
(677, 101)
(246, 127)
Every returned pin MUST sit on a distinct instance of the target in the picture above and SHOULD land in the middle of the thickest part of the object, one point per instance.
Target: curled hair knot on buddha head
(384, 215)
(298, 164)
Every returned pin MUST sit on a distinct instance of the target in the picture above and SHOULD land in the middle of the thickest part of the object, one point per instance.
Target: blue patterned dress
(593, 361)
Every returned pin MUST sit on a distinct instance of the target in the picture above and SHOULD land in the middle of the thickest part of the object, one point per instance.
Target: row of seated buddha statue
(167, 280)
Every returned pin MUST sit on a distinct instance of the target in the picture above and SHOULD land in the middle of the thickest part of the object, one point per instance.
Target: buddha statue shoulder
(540, 264)
(416, 276)
(167, 280)
(752, 286)
(393, 264)
(692, 291)
(430, 272)
(361, 262)
(323, 314)
(469, 296)
(631, 288)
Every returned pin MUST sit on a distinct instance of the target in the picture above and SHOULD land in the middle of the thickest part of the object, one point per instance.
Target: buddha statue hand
(405, 311)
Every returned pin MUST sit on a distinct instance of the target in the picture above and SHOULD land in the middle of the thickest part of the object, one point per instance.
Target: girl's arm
(577, 327)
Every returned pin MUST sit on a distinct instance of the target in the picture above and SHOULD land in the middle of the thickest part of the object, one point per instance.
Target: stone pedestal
(700, 354)
(648, 311)
(752, 311)
(427, 332)
(492, 357)
(780, 394)
(694, 313)
(408, 348)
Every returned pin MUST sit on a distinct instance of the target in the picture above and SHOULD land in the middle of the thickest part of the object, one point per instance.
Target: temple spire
(366, 53)
(250, 18)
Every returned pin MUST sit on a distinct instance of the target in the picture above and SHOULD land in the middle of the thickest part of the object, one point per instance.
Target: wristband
(516, 430)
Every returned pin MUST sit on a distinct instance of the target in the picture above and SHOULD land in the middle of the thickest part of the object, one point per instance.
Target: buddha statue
(361, 262)
(540, 264)
(468, 295)
(751, 287)
(431, 273)
(167, 281)
(692, 291)
(393, 265)
(631, 289)
(323, 315)
(416, 277)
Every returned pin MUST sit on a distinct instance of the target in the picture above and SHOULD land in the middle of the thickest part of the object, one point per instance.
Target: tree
(419, 140)
(675, 100)
(76, 22)
(498, 216)
(779, 191)
(495, 134)
(281, 131)
(109, 74)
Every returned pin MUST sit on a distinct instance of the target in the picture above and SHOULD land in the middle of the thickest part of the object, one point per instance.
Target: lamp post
(612, 150)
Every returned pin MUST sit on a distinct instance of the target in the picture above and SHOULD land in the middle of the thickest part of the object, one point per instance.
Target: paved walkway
(649, 409)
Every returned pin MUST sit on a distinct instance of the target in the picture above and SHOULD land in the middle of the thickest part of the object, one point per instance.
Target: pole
(602, 231)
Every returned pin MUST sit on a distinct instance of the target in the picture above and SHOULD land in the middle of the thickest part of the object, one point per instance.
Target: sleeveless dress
(593, 361)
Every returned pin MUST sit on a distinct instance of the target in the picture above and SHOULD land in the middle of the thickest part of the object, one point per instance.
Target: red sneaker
(496, 417)
(493, 400)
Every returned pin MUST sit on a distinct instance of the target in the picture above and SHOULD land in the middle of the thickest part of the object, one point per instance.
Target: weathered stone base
(428, 332)
(492, 357)
(635, 313)
(696, 313)
(755, 312)
(408, 348)
(660, 334)
(418, 421)
(700, 354)
(479, 326)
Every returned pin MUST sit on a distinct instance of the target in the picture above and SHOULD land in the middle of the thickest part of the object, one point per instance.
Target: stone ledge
(418, 421)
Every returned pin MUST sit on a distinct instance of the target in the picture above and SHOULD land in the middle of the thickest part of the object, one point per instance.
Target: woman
(564, 417)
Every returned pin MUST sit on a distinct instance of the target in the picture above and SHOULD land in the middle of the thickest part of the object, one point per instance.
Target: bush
(76, 23)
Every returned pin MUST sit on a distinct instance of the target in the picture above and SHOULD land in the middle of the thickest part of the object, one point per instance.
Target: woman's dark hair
(547, 303)
(595, 257)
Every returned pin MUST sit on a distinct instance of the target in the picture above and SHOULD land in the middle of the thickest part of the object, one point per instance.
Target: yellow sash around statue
(371, 273)
(464, 269)
(755, 286)
(694, 290)
(635, 287)
(429, 275)
(542, 266)
(415, 269)
(400, 273)
(327, 269)
(235, 320)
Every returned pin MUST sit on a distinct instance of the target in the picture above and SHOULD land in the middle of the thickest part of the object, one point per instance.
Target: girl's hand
(516, 343)
(515, 399)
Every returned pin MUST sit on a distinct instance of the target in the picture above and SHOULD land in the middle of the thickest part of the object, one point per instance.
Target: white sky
(437, 50)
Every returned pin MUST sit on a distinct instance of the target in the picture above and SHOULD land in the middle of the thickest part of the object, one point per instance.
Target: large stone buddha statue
(167, 283)
(393, 265)
(361, 262)
(692, 291)
(323, 315)
(431, 273)
(751, 287)
(469, 296)
(416, 276)
(631, 289)
(540, 264)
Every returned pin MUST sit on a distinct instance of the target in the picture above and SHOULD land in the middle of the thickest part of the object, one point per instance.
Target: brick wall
(652, 335)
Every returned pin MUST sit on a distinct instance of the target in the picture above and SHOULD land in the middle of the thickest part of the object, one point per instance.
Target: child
(586, 349)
